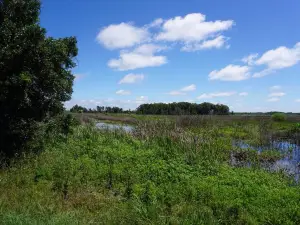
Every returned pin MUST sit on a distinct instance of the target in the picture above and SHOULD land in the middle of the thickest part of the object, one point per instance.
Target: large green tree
(35, 73)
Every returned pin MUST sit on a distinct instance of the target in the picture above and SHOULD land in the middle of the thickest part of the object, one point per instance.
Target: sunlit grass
(161, 174)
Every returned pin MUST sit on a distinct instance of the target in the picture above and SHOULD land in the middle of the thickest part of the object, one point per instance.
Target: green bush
(278, 117)
(36, 75)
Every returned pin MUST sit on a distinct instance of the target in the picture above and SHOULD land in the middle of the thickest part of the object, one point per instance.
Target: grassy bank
(162, 174)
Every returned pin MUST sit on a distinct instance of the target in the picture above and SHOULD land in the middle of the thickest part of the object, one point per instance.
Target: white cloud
(243, 94)
(141, 57)
(217, 42)
(193, 31)
(263, 73)
(275, 99)
(231, 73)
(192, 28)
(92, 103)
(176, 93)
(156, 23)
(141, 100)
(123, 92)
(122, 35)
(216, 94)
(277, 94)
(297, 100)
(275, 88)
(191, 87)
(250, 59)
(183, 90)
(280, 57)
(149, 49)
(131, 78)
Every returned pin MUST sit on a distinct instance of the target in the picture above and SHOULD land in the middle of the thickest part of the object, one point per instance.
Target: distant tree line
(98, 109)
(183, 108)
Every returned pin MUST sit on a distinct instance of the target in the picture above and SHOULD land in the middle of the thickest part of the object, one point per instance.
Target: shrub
(35, 77)
(278, 117)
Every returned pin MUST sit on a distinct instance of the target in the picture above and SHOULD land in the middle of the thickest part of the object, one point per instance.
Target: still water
(289, 162)
(108, 126)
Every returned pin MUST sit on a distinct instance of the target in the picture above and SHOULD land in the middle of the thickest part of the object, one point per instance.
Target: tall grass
(163, 173)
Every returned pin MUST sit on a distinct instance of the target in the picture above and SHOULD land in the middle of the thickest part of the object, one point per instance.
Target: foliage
(183, 108)
(101, 109)
(35, 73)
(278, 117)
(162, 174)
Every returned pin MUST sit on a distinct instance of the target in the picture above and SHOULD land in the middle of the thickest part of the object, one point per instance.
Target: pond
(289, 161)
(109, 126)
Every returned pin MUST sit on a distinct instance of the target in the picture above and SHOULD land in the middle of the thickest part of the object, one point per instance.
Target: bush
(36, 75)
(278, 117)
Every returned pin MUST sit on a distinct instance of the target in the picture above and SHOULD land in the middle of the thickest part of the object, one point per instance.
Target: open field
(167, 171)
(131, 118)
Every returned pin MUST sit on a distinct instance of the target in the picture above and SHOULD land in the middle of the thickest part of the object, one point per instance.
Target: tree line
(99, 109)
(183, 108)
(175, 108)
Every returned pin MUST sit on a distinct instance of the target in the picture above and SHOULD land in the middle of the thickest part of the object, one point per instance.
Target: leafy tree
(183, 108)
(35, 73)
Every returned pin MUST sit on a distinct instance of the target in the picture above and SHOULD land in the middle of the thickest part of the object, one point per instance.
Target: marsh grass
(166, 172)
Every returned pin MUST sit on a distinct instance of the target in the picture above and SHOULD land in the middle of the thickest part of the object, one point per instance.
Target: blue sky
(245, 54)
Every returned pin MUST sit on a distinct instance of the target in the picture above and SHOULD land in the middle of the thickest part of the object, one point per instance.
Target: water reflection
(289, 162)
(108, 126)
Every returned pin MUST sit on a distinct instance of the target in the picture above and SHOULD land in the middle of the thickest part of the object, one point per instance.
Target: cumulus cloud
(273, 60)
(149, 49)
(123, 92)
(191, 87)
(217, 42)
(250, 59)
(132, 78)
(193, 31)
(231, 73)
(280, 57)
(192, 28)
(156, 23)
(243, 94)
(141, 57)
(216, 94)
(122, 35)
(277, 94)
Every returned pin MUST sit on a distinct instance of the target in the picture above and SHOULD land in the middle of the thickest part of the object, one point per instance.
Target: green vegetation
(35, 76)
(58, 168)
(279, 117)
(183, 108)
(99, 109)
(166, 172)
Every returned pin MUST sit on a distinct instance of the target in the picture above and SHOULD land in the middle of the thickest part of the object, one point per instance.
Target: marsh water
(290, 153)
(289, 162)
(109, 126)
